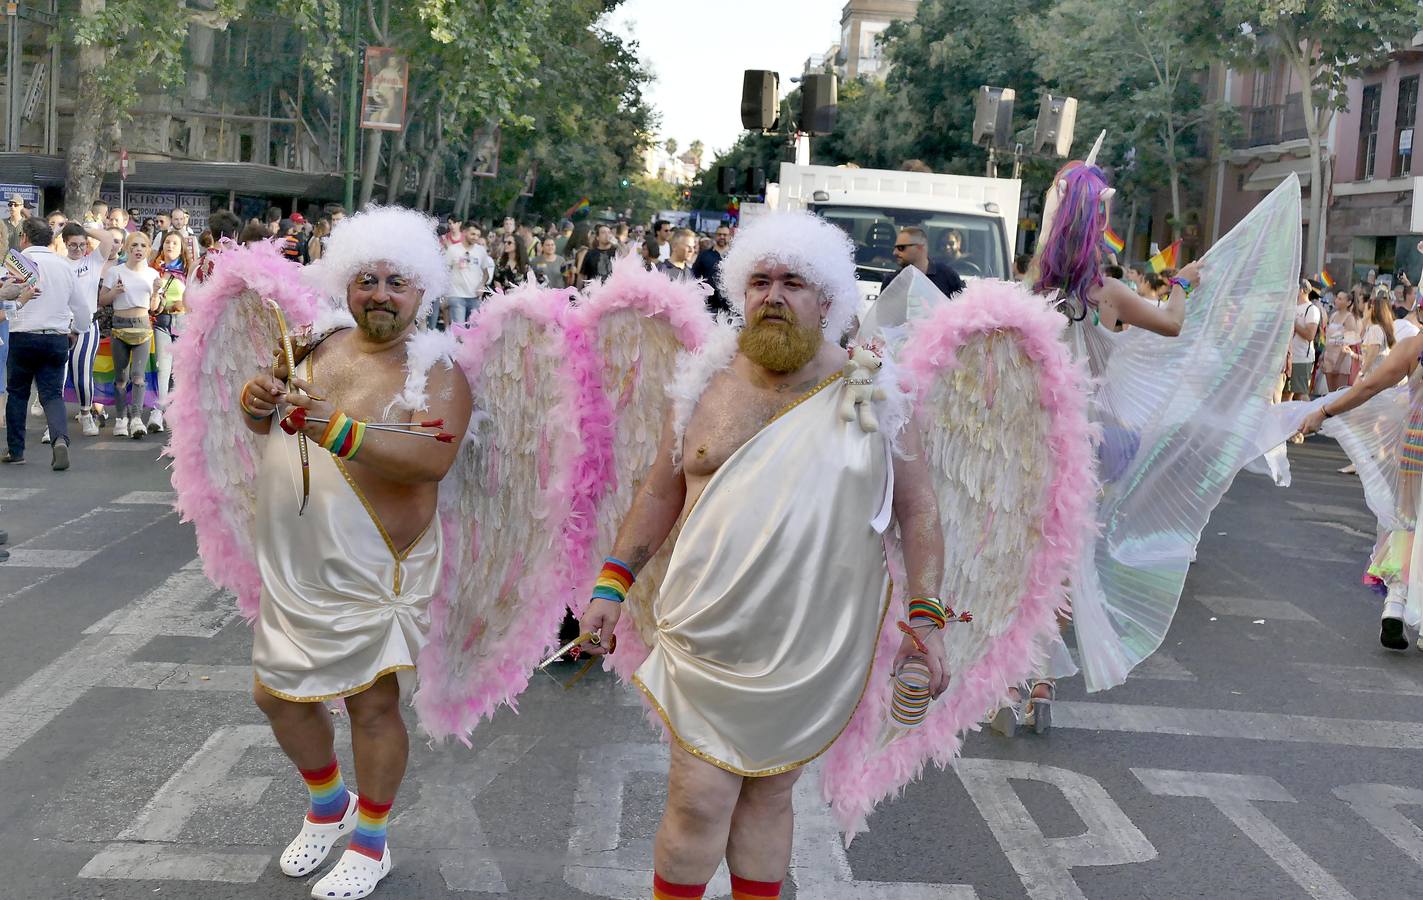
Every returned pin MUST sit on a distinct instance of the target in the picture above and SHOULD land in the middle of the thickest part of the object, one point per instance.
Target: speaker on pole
(727, 180)
(993, 117)
(760, 91)
(818, 99)
(1057, 120)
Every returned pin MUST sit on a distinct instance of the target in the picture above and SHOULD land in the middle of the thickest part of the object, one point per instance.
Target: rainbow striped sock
(370, 828)
(328, 792)
(746, 889)
(662, 889)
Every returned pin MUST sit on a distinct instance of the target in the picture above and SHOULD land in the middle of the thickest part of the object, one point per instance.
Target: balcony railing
(1274, 124)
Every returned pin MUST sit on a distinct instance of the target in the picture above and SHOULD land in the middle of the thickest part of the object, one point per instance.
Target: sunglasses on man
(907, 246)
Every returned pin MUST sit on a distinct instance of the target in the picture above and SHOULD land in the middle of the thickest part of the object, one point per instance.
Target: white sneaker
(354, 876)
(155, 422)
(35, 408)
(309, 848)
(87, 424)
(121, 426)
(136, 429)
(44, 438)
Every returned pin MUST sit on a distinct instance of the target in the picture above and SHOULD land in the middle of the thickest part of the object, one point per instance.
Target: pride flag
(576, 208)
(1324, 277)
(1114, 241)
(1169, 258)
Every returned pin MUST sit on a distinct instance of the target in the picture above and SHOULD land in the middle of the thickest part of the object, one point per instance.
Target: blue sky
(697, 52)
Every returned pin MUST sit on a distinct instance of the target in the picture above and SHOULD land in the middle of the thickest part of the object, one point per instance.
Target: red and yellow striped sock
(662, 889)
(746, 889)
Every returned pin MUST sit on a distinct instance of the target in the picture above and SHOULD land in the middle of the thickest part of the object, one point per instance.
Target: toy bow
(290, 356)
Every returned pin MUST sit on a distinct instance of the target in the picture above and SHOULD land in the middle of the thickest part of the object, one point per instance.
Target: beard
(382, 329)
(779, 345)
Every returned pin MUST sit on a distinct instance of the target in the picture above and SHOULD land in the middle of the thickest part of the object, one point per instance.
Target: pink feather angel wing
(231, 334)
(1002, 408)
(505, 508)
(625, 341)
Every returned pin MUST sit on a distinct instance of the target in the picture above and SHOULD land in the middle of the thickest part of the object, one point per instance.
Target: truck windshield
(972, 244)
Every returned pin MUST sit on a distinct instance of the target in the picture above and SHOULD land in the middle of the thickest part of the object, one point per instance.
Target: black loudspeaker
(755, 182)
(818, 103)
(759, 104)
(993, 117)
(727, 179)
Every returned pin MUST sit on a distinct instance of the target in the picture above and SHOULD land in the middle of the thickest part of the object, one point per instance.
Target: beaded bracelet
(614, 581)
(343, 436)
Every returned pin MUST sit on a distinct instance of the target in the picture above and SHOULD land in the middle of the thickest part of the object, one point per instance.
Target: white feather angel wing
(1002, 411)
(504, 509)
(231, 334)
(625, 343)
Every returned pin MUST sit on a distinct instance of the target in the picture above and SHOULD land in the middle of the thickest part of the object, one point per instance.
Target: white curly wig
(815, 249)
(400, 237)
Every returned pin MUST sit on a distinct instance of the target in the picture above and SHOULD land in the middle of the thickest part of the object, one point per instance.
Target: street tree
(120, 43)
(1323, 43)
(1132, 69)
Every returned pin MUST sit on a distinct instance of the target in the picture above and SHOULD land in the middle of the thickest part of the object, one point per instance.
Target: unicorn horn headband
(1096, 148)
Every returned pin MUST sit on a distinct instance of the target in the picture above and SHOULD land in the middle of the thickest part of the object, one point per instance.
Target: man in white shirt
(470, 270)
(41, 334)
(1307, 318)
(87, 249)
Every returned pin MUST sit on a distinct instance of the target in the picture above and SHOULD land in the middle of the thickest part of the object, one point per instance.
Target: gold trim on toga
(775, 594)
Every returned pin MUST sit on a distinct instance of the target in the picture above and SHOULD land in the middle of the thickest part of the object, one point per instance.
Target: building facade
(1374, 198)
(861, 23)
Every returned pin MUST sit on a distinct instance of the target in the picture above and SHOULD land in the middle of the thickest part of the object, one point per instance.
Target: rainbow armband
(343, 436)
(614, 581)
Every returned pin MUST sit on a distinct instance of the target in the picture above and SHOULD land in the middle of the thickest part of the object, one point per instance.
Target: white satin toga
(341, 606)
(775, 594)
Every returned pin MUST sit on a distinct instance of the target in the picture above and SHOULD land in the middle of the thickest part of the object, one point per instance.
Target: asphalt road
(1270, 750)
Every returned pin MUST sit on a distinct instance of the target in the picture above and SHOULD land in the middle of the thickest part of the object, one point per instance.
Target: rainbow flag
(1113, 240)
(1169, 258)
(1324, 277)
(104, 378)
(576, 208)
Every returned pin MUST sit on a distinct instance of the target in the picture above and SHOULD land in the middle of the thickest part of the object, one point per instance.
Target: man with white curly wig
(767, 618)
(346, 586)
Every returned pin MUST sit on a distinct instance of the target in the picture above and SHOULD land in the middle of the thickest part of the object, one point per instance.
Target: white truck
(873, 204)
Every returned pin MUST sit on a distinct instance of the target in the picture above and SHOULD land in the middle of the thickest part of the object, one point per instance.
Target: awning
(1268, 176)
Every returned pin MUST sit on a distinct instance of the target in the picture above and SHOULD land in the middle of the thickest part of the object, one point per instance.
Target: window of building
(1403, 130)
(1369, 131)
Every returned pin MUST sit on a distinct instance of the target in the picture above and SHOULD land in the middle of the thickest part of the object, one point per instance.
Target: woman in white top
(129, 289)
(1343, 332)
(1377, 330)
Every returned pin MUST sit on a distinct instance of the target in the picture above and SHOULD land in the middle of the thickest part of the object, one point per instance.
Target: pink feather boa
(203, 498)
(857, 774)
(682, 305)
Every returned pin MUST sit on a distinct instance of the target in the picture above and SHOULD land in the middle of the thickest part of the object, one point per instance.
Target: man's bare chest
(729, 413)
(359, 385)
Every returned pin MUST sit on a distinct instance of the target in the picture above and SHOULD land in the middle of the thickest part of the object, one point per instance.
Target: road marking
(1255, 608)
(1316, 555)
(19, 493)
(1330, 511)
(1222, 723)
(1043, 864)
(1235, 797)
(129, 444)
(186, 604)
(1363, 679)
(444, 817)
(134, 498)
(148, 849)
(85, 532)
(39, 699)
(1377, 804)
(49, 559)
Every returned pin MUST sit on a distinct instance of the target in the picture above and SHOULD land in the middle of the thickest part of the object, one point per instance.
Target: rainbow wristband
(927, 610)
(614, 581)
(343, 436)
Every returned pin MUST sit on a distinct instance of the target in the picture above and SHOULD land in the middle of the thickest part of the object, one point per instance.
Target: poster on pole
(387, 80)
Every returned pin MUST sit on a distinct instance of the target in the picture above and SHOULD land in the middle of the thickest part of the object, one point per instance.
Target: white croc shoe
(355, 875)
(313, 843)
